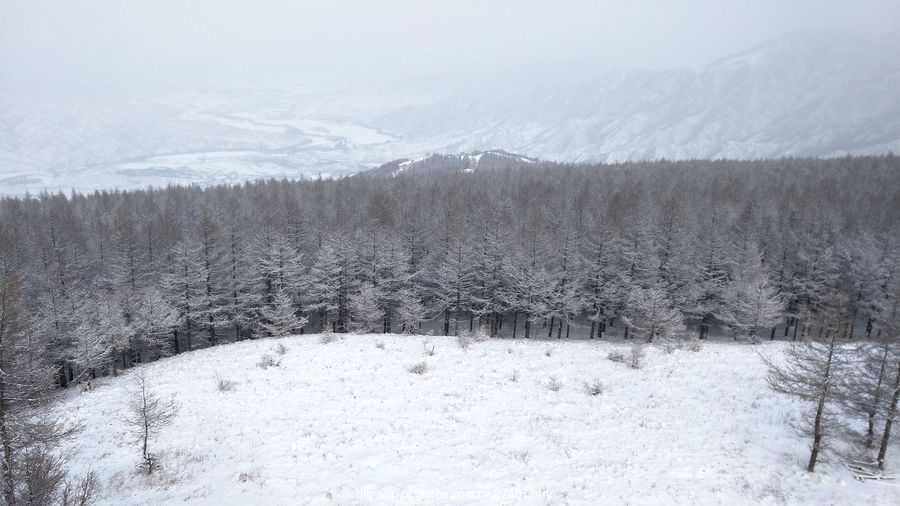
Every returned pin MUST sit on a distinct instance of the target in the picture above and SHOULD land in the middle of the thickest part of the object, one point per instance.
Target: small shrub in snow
(280, 349)
(224, 385)
(429, 348)
(82, 492)
(509, 350)
(617, 356)
(418, 368)
(593, 389)
(464, 340)
(379, 344)
(328, 337)
(696, 344)
(266, 361)
(554, 385)
(147, 415)
(514, 377)
(637, 355)
(548, 352)
(480, 335)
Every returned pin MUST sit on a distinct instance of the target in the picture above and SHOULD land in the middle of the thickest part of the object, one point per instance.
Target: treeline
(653, 251)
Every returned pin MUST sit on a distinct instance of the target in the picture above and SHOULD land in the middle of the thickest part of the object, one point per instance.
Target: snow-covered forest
(745, 250)
(666, 253)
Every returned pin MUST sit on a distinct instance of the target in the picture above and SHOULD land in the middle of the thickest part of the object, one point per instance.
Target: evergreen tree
(279, 318)
(651, 316)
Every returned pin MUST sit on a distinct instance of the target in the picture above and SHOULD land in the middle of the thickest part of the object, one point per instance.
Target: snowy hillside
(466, 162)
(817, 94)
(346, 423)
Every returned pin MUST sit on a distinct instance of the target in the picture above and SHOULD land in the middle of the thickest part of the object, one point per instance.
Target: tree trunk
(552, 322)
(8, 483)
(211, 329)
(873, 409)
(820, 410)
(891, 414)
(515, 322)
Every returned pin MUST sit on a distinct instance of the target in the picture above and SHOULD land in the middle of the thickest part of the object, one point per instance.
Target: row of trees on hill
(653, 250)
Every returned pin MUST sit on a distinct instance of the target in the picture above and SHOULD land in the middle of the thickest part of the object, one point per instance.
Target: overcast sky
(264, 41)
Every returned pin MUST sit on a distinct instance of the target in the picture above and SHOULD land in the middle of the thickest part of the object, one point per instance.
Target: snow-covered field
(346, 423)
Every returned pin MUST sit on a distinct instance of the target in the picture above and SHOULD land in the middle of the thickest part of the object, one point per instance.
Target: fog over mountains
(814, 94)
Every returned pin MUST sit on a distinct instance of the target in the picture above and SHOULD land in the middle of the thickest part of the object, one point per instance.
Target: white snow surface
(346, 423)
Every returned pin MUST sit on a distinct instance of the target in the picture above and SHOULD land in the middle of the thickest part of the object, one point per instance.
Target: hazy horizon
(50, 43)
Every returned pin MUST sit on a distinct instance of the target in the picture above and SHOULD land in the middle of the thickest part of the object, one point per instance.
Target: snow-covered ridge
(347, 423)
(461, 162)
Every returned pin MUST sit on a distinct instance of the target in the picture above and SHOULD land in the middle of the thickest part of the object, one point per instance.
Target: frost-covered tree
(242, 299)
(814, 370)
(601, 281)
(750, 301)
(147, 415)
(651, 316)
(209, 312)
(393, 277)
(101, 335)
(452, 285)
(410, 312)
(528, 291)
(280, 318)
(331, 281)
(365, 312)
(811, 373)
(184, 288)
(30, 470)
(564, 298)
(712, 269)
(490, 274)
(154, 321)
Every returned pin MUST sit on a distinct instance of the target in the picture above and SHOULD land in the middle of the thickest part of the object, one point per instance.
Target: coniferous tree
(365, 312)
(651, 316)
(279, 318)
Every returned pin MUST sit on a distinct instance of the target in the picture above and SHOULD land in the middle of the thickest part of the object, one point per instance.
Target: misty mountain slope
(795, 96)
(347, 423)
(814, 94)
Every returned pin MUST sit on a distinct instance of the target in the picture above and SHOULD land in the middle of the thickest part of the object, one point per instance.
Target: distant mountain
(814, 94)
(803, 95)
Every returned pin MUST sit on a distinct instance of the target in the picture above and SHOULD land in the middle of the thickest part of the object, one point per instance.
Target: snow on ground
(346, 423)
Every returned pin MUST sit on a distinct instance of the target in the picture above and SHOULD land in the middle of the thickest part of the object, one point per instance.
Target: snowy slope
(464, 162)
(345, 423)
(814, 94)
